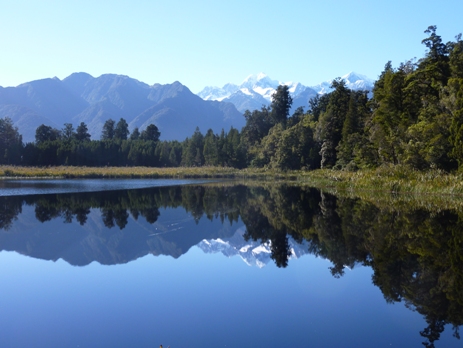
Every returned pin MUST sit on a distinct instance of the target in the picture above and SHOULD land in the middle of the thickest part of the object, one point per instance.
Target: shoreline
(394, 180)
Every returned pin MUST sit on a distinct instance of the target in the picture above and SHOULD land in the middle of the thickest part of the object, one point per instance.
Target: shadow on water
(416, 254)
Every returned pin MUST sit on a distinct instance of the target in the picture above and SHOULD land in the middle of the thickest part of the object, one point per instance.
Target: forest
(412, 117)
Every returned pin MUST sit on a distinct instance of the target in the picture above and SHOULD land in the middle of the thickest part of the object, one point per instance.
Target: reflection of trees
(258, 227)
(10, 207)
(419, 260)
(273, 214)
(416, 254)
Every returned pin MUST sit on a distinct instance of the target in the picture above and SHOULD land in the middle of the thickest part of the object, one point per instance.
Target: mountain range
(173, 108)
(80, 97)
(174, 234)
(257, 90)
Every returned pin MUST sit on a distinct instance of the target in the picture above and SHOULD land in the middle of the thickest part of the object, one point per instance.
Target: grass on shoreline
(398, 179)
(71, 172)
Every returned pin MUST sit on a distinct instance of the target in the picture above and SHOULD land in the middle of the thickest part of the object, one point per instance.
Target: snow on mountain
(295, 88)
(253, 253)
(259, 83)
(257, 90)
(353, 81)
(216, 93)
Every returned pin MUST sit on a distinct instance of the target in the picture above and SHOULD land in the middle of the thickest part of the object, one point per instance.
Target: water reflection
(416, 254)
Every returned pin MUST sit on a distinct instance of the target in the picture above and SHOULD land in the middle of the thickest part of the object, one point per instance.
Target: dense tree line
(413, 116)
(118, 147)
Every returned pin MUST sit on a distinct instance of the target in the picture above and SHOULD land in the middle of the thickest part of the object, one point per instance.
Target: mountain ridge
(81, 97)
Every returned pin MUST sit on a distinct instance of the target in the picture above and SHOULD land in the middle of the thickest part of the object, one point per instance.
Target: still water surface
(218, 266)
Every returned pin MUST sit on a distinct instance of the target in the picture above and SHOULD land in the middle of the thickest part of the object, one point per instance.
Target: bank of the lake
(396, 179)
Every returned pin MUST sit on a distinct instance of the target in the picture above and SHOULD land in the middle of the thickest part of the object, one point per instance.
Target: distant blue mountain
(80, 97)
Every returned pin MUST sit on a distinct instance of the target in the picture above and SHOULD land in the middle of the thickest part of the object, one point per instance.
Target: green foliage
(121, 131)
(10, 142)
(150, 133)
(281, 104)
(329, 127)
(318, 105)
(107, 132)
(82, 133)
(353, 136)
(193, 150)
(211, 149)
(258, 124)
(46, 133)
(68, 132)
(135, 134)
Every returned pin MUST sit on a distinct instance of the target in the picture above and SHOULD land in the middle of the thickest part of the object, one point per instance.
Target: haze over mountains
(173, 108)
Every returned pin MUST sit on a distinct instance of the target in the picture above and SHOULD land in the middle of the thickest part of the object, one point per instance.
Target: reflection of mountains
(110, 227)
(416, 252)
(81, 245)
(254, 253)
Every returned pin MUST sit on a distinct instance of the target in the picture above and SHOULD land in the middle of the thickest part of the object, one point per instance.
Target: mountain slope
(83, 98)
(48, 97)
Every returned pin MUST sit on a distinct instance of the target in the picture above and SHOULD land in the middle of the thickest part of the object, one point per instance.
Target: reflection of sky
(196, 300)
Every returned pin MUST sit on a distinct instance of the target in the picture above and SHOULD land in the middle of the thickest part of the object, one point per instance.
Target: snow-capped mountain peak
(257, 90)
(353, 81)
(294, 88)
(260, 81)
(353, 77)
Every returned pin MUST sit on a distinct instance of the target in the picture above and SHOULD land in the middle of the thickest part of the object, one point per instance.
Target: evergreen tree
(353, 129)
(121, 131)
(193, 153)
(453, 100)
(329, 129)
(108, 130)
(10, 142)
(135, 134)
(211, 150)
(82, 133)
(389, 119)
(150, 133)
(281, 104)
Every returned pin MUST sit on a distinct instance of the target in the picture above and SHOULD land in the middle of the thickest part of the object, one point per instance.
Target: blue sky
(202, 42)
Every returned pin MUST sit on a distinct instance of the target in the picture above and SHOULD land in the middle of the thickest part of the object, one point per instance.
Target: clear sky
(211, 42)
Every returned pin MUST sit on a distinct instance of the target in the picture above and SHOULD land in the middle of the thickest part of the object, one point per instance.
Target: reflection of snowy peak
(252, 252)
(257, 90)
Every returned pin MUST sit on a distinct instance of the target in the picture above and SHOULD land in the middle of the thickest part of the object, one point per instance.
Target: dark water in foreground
(225, 266)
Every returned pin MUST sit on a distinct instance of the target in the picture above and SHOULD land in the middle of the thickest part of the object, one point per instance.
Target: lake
(195, 263)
